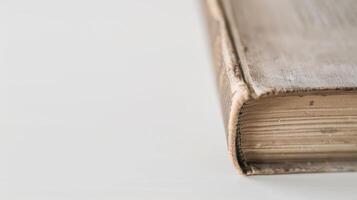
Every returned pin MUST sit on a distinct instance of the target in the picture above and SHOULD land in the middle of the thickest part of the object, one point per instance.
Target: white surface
(115, 100)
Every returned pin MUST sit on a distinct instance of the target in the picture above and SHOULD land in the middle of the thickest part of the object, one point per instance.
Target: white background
(115, 99)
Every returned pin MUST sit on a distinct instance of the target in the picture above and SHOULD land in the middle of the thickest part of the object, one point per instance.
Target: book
(286, 72)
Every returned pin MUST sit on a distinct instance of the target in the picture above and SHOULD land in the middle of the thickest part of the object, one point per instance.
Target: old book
(287, 76)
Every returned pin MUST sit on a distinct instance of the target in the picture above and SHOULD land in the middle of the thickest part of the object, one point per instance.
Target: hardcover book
(286, 72)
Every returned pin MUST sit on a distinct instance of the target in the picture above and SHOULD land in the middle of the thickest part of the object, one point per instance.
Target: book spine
(232, 88)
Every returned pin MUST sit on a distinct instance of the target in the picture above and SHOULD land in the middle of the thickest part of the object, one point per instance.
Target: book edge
(234, 91)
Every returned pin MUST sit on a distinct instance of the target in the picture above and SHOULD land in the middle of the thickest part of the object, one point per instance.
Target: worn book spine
(232, 88)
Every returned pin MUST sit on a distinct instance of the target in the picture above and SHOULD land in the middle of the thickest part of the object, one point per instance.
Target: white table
(115, 99)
